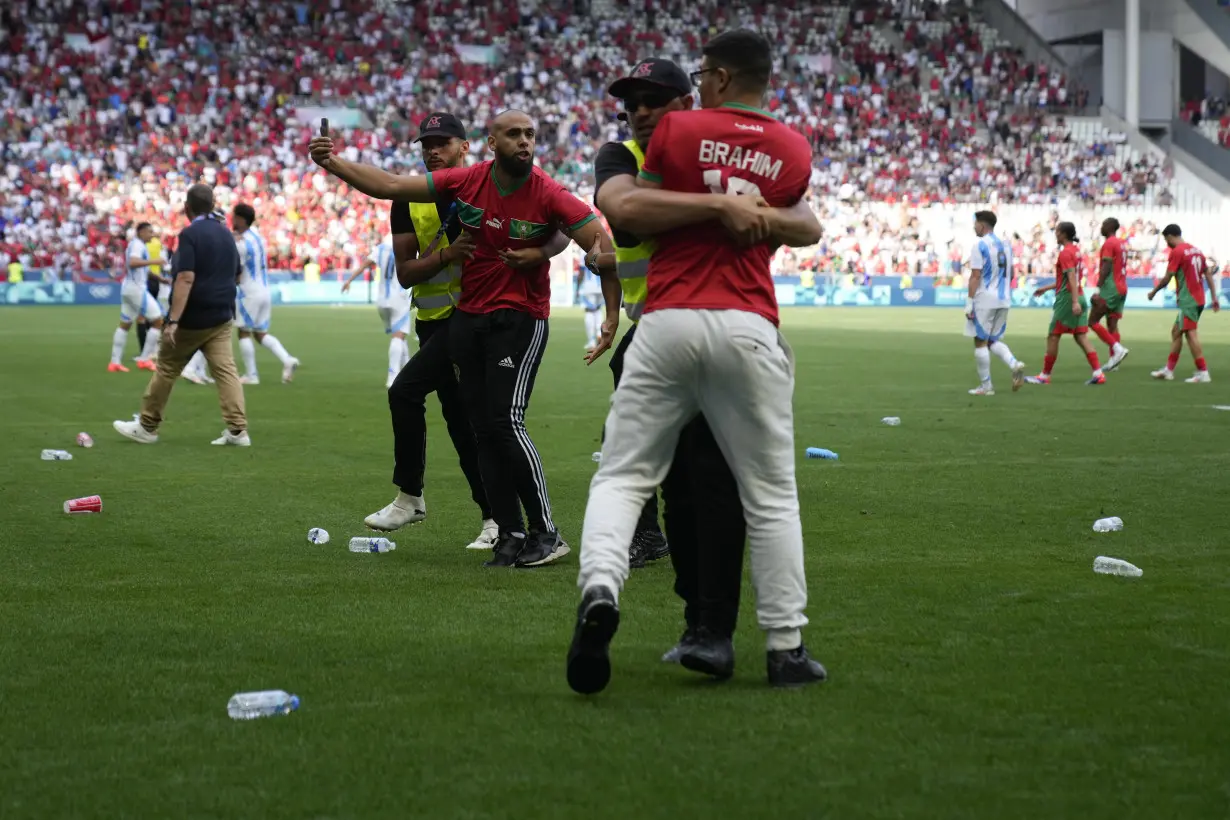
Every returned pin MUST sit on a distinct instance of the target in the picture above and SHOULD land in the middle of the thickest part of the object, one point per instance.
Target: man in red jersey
(1192, 272)
(1112, 292)
(708, 343)
(499, 331)
(1070, 308)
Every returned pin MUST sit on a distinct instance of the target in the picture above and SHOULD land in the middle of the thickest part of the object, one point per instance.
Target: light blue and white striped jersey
(255, 262)
(993, 257)
(136, 250)
(386, 264)
(590, 291)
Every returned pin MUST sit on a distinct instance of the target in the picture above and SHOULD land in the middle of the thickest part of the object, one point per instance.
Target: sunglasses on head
(649, 99)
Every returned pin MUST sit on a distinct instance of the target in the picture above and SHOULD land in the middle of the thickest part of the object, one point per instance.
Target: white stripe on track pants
(737, 369)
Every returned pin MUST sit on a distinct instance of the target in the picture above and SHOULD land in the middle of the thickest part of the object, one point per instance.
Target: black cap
(664, 73)
(1171, 230)
(441, 124)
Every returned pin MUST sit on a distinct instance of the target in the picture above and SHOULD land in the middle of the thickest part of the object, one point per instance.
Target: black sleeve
(613, 160)
(185, 253)
(399, 218)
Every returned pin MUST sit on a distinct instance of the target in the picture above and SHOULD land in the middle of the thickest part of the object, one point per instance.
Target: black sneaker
(673, 654)
(709, 654)
(636, 554)
(653, 545)
(589, 662)
(542, 548)
(794, 667)
(506, 550)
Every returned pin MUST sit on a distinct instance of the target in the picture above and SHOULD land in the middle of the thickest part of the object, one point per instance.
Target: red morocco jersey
(1069, 259)
(733, 149)
(1114, 250)
(1189, 264)
(525, 216)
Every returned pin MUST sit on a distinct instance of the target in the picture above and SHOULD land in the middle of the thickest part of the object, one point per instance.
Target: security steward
(703, 513)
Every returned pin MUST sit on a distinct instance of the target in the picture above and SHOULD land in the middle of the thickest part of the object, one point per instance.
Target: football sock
(1172, 362)
(1092, 356)
(274, 345)
(1048, 364)
(150, 348)
(1104, 335)
(982, 358)
(1004, 353)
(247, 348)
(118, 340)
(1201, 364)
(397, 348)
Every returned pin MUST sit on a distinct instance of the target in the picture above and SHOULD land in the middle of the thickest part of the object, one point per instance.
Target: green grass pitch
(979, 668)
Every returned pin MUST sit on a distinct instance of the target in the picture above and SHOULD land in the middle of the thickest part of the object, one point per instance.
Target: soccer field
(978, 667)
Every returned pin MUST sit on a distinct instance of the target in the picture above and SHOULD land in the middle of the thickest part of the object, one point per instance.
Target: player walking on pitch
(136, 302)
(708, 343)
(990, 297)
(1191, 271)
(392, 304)
(1070, 308)
(1112, 293)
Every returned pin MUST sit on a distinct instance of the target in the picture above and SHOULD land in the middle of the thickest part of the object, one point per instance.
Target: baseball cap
(655, 71)
(440, 124)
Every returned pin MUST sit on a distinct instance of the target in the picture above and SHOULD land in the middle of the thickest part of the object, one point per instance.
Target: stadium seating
(111, 110)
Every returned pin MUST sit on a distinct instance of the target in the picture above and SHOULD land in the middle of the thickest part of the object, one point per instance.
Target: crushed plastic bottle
(820, 452)
(372, 545)
(249, 705)
(1112, 524)
(891, 421)
(597, 457)
(1105, 565)
(57, 455)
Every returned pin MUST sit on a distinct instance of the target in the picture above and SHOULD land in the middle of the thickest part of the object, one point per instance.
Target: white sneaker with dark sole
(395, 516)
(1018, 376)
(134, 431)
(288, 371)
(487, 538)
(229, 438)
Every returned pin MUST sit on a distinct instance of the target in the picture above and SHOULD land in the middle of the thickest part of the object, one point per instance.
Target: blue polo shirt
(207, 248)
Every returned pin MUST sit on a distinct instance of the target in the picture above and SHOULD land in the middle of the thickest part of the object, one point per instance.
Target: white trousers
(737, 369)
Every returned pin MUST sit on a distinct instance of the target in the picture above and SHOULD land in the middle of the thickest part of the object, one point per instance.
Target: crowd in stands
(109, 109)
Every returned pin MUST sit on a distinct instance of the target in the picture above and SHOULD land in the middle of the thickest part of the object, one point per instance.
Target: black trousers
(497, 357)
(151, 285)
(430, 370)
(648, 522)
(704, 522)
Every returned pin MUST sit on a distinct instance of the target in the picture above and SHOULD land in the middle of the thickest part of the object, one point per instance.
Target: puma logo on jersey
(747, 126)
(495, 222)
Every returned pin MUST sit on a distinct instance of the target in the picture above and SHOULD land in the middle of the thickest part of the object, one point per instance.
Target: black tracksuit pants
(497, 357)
(152, 286)
(430, 370)
(704, 523)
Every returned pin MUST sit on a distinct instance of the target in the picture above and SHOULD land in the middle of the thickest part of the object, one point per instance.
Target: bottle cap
(294, 702)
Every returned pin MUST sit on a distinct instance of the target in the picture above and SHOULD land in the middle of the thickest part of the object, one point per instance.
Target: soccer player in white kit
(392, 304)
(136, 301)
(589, 291)
(986, 309)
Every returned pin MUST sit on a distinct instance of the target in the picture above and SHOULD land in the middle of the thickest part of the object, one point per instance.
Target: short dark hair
(1113, 223)
(746, 54)
(1172, 230)
(245, 212)
(1067, 229)
(142, 226)
(200, 199)
(986, 217)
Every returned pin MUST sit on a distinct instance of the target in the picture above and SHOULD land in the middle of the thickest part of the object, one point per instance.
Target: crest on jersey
(523, 229)
(434, 122)
(643, 70)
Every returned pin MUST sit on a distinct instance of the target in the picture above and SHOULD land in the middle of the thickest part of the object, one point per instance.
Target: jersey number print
(730, 185)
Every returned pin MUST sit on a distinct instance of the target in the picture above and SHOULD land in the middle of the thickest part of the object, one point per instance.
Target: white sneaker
(288, 371)
(1117, 358)
(487, 538)
(245, 379)
(194, 377)
(983, 390)
(1163, 374)
(133, 430)
(405, 509)
(208, 379)
(1018, 376)
(241, 440)
(1200, 377)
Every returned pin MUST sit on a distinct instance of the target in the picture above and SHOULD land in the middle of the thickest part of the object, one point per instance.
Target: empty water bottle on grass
(372, 545)
(1105, 565)
(1112, 524)
(820, 452)
(249, 705)
(56, 455)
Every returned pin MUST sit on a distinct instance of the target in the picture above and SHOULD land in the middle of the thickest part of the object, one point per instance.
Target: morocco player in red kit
(1112, 292)
(1191, 270)
(708, 343)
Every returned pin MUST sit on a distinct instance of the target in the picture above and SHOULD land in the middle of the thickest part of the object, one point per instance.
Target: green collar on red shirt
(743, 107)
(517, 184)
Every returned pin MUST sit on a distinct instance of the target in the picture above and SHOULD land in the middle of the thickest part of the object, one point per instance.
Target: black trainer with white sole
(794, 667)
(709, 653)
(589, 661)
(506, 550)
(542, 548)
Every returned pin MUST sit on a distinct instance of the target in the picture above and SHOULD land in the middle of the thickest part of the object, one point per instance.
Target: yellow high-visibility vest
(632, 264)
(435, 298)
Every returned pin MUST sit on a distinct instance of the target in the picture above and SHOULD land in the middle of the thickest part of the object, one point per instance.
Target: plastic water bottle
(891, 421)
(249, 705)
(1112, 524)
(820, 452)
(372, 545)
(57, 455)
(1105, 565)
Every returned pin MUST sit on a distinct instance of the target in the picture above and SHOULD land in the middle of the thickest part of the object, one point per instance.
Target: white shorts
(988, 324)
(135, 300)
(252, 310)
(395, 315)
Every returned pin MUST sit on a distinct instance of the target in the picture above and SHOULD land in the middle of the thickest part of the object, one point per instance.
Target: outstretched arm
(358, 272)
(368, 179)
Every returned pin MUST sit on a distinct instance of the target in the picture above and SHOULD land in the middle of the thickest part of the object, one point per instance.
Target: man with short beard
(499, 330)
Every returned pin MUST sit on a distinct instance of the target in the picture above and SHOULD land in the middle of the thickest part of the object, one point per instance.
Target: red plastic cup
(89, 504)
